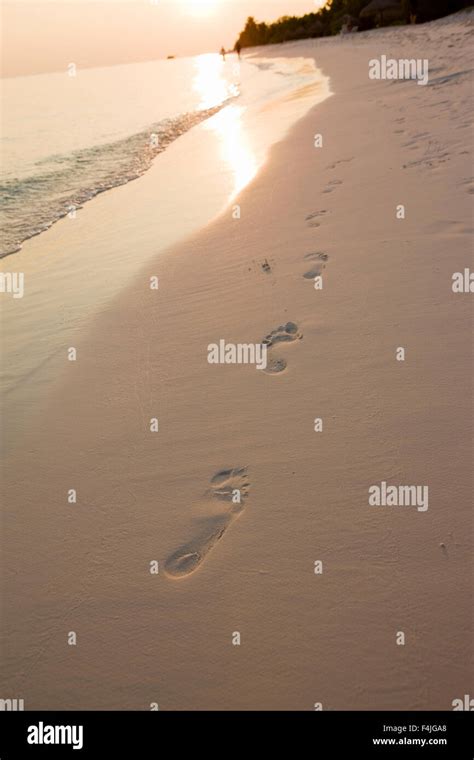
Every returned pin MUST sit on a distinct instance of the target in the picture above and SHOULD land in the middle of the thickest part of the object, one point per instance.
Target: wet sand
(260, 520)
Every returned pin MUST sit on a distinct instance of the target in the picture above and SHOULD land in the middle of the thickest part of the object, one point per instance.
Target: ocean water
(190, 133)
(68, 136)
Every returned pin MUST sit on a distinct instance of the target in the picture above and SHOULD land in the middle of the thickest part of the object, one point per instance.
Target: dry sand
(306, 638)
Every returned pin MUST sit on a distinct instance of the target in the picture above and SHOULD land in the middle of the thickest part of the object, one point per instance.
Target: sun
(199, 7)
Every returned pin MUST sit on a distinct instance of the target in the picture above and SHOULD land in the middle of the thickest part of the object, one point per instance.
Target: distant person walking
(238, 48)
(223, 53)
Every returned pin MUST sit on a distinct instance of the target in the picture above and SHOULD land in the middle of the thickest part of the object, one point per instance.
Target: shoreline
(306, 638)
(78, 266)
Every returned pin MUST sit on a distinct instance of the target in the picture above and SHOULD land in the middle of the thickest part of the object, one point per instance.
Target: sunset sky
(47, 35)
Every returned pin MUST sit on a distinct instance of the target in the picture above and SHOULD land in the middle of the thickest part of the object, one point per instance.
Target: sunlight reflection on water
(234, 146)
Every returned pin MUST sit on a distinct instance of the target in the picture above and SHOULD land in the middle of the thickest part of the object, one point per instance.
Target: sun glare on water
(237, 156)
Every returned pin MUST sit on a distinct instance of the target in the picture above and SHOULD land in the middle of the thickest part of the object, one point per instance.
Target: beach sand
(306, 638)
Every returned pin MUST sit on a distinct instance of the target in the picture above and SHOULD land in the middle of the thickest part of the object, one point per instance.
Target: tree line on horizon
(330, 19)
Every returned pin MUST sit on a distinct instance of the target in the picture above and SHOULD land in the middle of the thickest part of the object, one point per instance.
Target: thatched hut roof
(378, 6)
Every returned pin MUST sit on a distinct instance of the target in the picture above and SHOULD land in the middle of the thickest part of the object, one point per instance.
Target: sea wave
(61, 184)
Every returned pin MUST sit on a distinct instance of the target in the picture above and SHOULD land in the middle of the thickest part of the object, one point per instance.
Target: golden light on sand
(227, 124)
(235, 150)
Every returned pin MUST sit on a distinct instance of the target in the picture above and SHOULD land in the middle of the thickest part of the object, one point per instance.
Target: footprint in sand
(341, 161)
(319, 260)
(470, 185)
(284, 334)
(226, 485)
(313, 216)
(332, 185)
